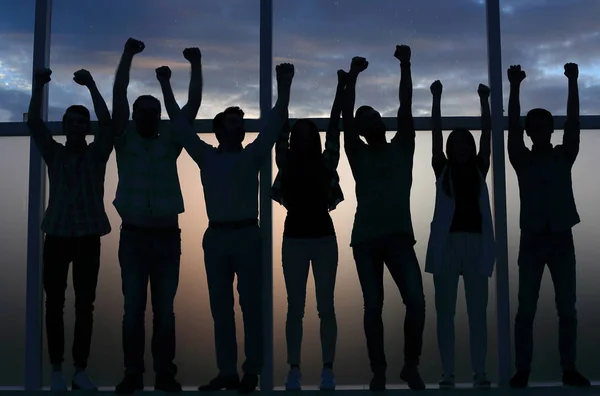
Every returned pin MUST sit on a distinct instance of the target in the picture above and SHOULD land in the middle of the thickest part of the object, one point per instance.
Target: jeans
(149, 254)
(227, 253)
(535, 252)
(461, 257)
(84, 253)
(398, 254)
(297, 255)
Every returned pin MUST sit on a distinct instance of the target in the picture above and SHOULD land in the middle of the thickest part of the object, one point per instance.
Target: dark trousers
(535, 252)
(398, 254)
(59, 253)
(229, 252)
(149, 255)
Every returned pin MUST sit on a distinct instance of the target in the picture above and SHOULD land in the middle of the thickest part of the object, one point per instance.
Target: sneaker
(410, 375)
(130, 384)
(81, 380)
(480, 381)
(58, 382)
(248, 384)
(447, 381)
(327, 380)
(221, 382)
(294, 380)
(166, 383)
(520, 379)
(378, 382)
(574, 378)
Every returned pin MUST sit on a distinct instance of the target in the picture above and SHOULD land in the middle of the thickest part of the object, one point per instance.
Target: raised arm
(485, 144)
(571, 136)
(190, 109)
(38, 129)
(351, 134)
(282, 146)
(438, 158)
(406, 128)
(103, 140)
(332, 136)
(264, 142)
(120, 103)
(516, 145)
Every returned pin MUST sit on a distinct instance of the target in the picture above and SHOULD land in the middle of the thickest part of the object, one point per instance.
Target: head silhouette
(229, 128)
(304, 138)
(460, 147)
(539, 126)
(76, 124)
(146, 115)
(370, 124)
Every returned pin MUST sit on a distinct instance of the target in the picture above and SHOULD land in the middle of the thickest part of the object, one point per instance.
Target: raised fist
(192, 54)
(163, 74)
(342, 77)
(483, 91)
(285, 73)
(83, 77)
(358, 65)
(42, 76)
(402, 53)
(133, 46)
(436, 88)
(571, 70)
(515, 74)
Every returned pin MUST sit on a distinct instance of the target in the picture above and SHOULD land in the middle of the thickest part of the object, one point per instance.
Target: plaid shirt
(148, 179)
(76, 201)
(331, 156)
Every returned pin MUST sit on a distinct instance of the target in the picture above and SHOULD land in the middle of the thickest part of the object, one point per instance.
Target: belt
(233, 225)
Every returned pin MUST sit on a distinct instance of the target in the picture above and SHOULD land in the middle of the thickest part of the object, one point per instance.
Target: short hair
(541, 114)
(219, 119)
(363, 109)
(136, 104)
(77, 109)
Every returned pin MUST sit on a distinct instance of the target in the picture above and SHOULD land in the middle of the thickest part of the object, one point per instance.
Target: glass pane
(226, 32)
(448, 40)
(546, 358)
(542, 36)
(14, 160)
(16, 52)
(352, 363)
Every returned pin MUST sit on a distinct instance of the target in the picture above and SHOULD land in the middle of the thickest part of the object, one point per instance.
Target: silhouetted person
(383, 232)
(232, 243)
(548, 213)
(462, 235)
(74, 221)
(149, 201)
(307, 185)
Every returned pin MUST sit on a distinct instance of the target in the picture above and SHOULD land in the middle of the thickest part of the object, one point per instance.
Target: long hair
(467, 173)
(314, 144)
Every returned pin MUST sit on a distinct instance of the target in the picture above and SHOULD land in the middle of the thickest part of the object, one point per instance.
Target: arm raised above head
(190, 109)
(437, 139)
(120, 102)
(38, 129)
(485, 141)
(516, 145)
(572, 131)
(406, 128)
(332, 136)
(352, 139)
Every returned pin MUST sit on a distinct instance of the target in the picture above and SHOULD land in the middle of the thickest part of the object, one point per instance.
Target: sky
(448, 40)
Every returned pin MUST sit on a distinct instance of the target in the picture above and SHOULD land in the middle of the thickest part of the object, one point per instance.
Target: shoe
(221, 382)
(248, 384)
(410, 375)
(166, 383)
(130, 384)
(294, 380)
(480, 381)
(58, 383)
(574, 378)
(81, 380)
(327, 380)
(520, 379)
(447, 381)
(378, 382)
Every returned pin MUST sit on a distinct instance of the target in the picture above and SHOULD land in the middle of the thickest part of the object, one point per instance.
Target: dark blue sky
(319, 36)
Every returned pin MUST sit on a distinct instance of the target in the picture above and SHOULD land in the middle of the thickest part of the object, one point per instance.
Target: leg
(476, 293)
(296, 263)
(86, 265)
(370, 274)
(248, 266)
(164, 280)
(325, 263)
(133, 258)
(57, 257)
(219, 276)
(562, 269)
(531, 263)
(446, 287)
